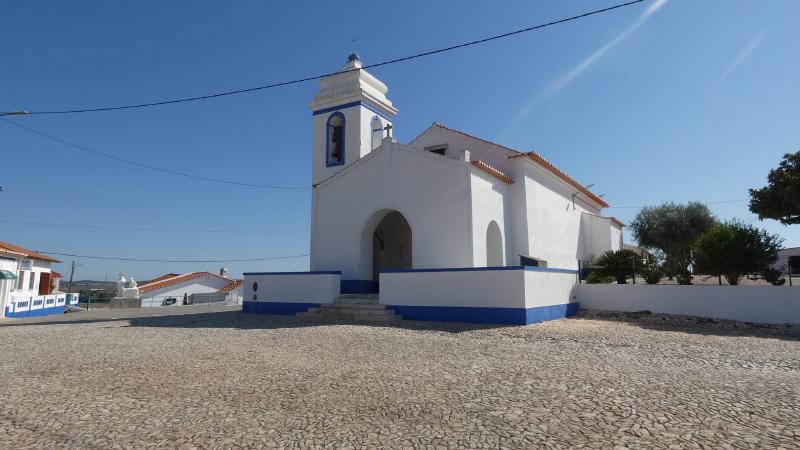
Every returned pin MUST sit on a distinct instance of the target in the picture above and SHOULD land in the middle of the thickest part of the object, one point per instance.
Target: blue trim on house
(35, 312)
(363, 103)
(476, 269)
(276, 307)
(488, 315)
(328, 162)
(358, 287)
(319, 272)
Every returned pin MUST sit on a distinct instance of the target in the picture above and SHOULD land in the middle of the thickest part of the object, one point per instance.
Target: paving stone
(211, 377)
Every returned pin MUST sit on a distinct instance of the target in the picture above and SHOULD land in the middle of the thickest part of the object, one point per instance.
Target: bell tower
(351, 115)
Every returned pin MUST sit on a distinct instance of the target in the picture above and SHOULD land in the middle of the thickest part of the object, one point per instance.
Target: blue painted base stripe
(276, 307)
(510, 316)
(36, 312)
(358, 287)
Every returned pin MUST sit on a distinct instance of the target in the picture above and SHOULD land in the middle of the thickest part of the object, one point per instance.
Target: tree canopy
(672, 229)
(733, 250)
(780, 198)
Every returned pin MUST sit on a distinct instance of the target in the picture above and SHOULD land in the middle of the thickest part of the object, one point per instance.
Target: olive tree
(671, 229)
(780, 198)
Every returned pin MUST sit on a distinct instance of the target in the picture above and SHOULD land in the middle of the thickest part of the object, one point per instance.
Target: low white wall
(759, 304)
(464, 288)
(549, 287)
(292, 287)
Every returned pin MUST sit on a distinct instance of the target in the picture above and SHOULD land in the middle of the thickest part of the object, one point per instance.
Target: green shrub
(616, 264)
(595, 278)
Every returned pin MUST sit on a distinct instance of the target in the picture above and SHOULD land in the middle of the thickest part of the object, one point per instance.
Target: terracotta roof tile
(492, 171)
(231, 286)
(14, 250)
(161, 282)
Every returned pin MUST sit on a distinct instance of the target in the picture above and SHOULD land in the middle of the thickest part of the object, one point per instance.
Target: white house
(446, 201)
(28, 286)
(195, 287)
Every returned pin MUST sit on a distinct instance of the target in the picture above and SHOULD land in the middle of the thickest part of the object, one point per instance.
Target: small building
(174, 289)
(784, 254)
(28, 285)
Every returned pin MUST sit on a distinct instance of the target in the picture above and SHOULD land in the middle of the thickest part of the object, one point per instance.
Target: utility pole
(71, 273)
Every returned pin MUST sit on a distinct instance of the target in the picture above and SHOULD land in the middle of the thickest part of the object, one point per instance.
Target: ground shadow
(233, 319)
(694, 325)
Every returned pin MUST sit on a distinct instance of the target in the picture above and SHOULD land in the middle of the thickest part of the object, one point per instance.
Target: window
(20, 280)
(438, 149)
(32, 281)
(335, 147)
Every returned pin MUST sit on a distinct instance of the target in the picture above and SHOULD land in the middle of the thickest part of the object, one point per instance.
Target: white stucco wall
(490, 201)
(201, 285)
(543, 288)
(291, 287)
(760, 304)
(509, 288)
(474, 288)
(599, 234)
(431, 192)
(552, 220)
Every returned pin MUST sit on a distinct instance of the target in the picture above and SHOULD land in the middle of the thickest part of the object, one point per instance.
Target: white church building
(446, 227)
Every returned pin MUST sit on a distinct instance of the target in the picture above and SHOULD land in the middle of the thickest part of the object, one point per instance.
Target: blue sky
(677, 100)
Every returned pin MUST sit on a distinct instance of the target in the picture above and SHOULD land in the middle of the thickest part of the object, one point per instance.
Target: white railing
(32, 303)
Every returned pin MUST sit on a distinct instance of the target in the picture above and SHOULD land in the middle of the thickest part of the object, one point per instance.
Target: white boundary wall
(292, 287)
(506, 287)
(758, 304)
(466, 288)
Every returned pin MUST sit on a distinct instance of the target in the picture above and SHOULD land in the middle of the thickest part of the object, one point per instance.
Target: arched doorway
(391, 244)
(494, 246)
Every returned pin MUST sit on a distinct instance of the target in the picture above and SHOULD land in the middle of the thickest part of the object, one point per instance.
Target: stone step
(353, 311)
(353, 306)
(356, 301)
(386, 316)
(358, 295)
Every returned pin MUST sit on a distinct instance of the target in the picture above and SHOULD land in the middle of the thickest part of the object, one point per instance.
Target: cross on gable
(388, 129)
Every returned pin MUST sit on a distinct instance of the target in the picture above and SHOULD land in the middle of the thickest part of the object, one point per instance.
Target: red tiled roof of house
(17, 251)
(162, 277)
(231, 286)
(161, 281)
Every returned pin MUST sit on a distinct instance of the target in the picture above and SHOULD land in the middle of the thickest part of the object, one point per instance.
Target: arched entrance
(391, 244)
(494, 245)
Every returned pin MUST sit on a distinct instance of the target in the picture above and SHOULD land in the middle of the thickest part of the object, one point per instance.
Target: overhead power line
(114, 258)
(317, 77)
(176, 230)
(143, 165)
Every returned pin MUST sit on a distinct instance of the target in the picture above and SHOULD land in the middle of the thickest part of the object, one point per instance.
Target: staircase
(353, 307)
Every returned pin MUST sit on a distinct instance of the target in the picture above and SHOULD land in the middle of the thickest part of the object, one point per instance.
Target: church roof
(535, 157)
(492, 171)
(538, 159)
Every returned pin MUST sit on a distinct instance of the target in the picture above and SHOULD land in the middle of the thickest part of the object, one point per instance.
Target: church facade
(446, 200)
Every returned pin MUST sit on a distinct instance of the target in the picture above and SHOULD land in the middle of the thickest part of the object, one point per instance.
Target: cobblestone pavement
(211, 377)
